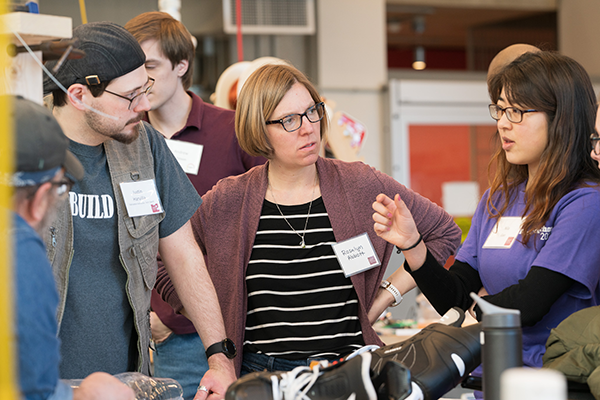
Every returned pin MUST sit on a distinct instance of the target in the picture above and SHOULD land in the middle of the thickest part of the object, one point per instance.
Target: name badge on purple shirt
(504, 233)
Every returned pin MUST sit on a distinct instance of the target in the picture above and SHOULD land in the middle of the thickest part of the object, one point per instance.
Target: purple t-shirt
(568, 244)
(213, 128)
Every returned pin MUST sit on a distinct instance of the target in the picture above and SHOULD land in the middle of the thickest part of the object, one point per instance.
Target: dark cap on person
(41, 145)
(110, 52)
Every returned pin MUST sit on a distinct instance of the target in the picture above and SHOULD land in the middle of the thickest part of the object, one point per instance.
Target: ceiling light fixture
(419, 60)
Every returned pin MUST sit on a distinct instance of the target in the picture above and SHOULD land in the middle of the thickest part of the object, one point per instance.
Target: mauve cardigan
(226, 223)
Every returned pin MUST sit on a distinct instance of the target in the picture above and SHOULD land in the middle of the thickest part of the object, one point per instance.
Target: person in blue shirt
(45, 170)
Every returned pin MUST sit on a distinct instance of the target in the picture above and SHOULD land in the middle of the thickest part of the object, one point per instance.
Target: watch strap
(387, 285)
(222, 347)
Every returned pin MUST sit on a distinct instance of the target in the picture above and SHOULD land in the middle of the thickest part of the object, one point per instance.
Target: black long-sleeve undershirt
(533, 296)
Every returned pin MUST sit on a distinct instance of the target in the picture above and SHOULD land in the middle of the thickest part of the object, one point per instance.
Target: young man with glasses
(205, 135)
(45, 170)
(134, 201)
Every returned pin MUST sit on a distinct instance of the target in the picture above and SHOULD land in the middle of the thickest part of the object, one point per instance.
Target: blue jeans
(256, 362)
(181, 357)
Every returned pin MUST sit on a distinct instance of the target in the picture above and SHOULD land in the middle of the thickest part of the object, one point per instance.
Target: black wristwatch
(226, 347)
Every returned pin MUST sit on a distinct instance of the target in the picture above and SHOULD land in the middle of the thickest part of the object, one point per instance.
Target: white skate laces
(294, 385)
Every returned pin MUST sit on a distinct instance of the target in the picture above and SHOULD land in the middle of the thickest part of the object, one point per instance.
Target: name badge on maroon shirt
(187, 154)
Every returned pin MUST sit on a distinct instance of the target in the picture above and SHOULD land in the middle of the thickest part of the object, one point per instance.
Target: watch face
(226, 347)
(229, 348)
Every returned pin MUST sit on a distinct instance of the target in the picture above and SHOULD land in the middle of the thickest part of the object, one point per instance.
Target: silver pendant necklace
(302, 242)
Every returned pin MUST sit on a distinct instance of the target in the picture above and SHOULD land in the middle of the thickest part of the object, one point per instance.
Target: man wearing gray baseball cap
(44, 171)
(134, 201)
(42, 147)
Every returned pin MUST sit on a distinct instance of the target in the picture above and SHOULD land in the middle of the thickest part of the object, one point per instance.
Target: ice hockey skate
(348, 380)
(439, 357)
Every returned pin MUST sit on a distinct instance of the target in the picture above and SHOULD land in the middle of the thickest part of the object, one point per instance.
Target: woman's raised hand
(394, 222)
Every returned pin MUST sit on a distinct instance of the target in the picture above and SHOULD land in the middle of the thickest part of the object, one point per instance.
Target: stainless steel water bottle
(501, 344)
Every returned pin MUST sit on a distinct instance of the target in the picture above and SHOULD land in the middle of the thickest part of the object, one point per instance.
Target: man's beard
(102, 125)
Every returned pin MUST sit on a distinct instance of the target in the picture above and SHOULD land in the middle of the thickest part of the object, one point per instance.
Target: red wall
(438, 154)
(442, 153)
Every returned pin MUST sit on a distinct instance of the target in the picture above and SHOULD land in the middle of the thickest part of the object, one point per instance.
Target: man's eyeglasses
(513, 114)
(293, 122)
(595, 138)
(135, 100)
(62, 186)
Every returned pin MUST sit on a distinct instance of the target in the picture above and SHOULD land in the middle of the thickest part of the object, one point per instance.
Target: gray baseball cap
(110, 52)
(41, 145)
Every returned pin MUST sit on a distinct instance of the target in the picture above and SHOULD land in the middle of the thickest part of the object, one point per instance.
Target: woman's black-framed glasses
(595, 139)
(513, 114)
(135, 100)
(293, 122)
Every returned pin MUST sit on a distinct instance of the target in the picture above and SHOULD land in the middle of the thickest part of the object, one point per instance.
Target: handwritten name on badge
(356, 255)
(187, 154)
(354, 252)
(141, 198)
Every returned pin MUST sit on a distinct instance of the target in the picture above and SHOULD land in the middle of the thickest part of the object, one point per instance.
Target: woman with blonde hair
(267, 235)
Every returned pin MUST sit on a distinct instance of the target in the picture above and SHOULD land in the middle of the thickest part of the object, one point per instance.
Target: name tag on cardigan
(504, 233)
(356, 255)
(141, 198)
(187, 154)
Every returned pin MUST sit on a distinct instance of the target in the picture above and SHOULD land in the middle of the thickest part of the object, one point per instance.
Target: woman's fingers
(384, 205)
(384, 199)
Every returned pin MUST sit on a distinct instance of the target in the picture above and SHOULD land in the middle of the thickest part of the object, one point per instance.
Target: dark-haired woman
(533, 241)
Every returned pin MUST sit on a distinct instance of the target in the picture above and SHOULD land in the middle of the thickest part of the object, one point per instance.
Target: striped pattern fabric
(300, 304)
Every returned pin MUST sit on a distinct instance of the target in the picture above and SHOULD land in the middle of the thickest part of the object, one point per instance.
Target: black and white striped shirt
(300, 304)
